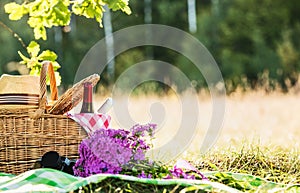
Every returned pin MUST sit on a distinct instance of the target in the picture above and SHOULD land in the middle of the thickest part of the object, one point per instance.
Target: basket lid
(19, 84)
(19, 91)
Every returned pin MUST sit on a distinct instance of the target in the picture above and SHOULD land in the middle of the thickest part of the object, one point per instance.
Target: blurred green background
(256, 43)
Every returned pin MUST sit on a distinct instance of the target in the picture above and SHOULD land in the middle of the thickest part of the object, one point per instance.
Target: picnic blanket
(48, 180)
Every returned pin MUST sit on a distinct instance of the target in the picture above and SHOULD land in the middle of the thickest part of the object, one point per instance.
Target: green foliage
(44, 14)
(34, 63)
(155, 169)
(250, 44)
(89, 9)
(15, 11)
(255, 43)
(228, 179)
(290, 64)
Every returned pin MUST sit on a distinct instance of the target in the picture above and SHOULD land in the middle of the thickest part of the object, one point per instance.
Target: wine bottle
(87, 104)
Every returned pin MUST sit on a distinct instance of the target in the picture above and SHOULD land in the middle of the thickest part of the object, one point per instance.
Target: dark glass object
(53, 160)
(87, 104)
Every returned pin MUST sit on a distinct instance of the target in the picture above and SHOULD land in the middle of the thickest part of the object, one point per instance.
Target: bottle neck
(87, 104)
(88, 93)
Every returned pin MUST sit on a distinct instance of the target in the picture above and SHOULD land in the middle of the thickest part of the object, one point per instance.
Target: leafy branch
(43, 14)
(35, 61)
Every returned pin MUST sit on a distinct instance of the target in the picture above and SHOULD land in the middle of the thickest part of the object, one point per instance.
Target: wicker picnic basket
(26, 134)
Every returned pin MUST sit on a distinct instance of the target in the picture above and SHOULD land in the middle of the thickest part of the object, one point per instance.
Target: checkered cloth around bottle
(91, 121)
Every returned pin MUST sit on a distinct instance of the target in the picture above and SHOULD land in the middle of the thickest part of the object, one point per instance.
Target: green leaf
(54, 2)
(90, 12)
(35, 71)
(33, 49)
(29, 62)
(34, 21)
(55, 65)
(40, 32)
(61, 15)
(33, 63)
(34, 6)
(47, 55)
(38, 8)
(127, 10)
(118, 5)
(24, 58)
(77, 9)
(10, 7)
(57, 78)
(15, 11)
(38, 28)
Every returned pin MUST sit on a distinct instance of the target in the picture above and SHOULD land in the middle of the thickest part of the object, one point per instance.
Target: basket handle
(47, 68)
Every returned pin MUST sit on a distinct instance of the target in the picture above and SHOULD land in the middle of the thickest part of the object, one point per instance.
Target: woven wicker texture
(72, 96)
(24, 140)
(26, 134)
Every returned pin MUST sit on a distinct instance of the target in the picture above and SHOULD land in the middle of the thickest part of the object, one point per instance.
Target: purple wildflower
(144, 175)
(139, 130)
(139, 155)
(108, 150)
(179, 173)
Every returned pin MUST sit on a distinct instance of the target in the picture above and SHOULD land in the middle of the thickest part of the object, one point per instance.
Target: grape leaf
(15, 11)
(35, 71)
(47, 55)
(61, 14)
(118, 5)
(40, 32)
(24, 58)
(34, 63)
(33, 48)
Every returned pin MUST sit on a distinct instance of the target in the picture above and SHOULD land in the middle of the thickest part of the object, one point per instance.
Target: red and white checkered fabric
(91, 121)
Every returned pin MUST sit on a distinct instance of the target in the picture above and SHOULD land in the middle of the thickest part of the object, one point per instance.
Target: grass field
(260, 135)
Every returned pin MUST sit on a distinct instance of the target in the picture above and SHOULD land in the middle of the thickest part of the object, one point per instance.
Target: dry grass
(270, 119)
(270, 163)
(267, 119)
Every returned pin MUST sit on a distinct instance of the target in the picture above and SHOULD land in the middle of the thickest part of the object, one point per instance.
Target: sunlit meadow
(256, 117)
